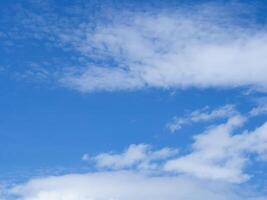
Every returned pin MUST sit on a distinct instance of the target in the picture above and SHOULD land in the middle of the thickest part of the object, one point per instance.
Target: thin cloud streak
(201, 115)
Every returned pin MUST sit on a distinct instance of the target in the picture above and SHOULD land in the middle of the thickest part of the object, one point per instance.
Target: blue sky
(108, 96)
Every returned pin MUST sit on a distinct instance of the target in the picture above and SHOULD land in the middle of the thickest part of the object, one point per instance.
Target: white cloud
(199, 46)
(169, 50)
(213, 169)
(201, 115)
(261, 109)
(125, 186)
(99, 78)
(139, 156)
(165, 50)
(221, 154)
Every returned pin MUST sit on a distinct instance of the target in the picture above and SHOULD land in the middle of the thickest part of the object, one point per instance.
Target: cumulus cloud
(168, 50)
(201, 115)
(179, 49)
(125, 185)
(221, 154)
(214, 168)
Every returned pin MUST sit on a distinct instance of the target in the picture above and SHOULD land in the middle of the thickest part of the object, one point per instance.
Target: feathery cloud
(201, 115)
(140, 156)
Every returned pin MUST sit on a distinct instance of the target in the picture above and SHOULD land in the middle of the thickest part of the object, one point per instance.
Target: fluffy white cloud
(221, 154)
(213, 169)
(169, 50)
(125, 186)
(201, 115)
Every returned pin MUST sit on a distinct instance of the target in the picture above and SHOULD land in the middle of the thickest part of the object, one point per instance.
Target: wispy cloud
(213, 168)
(201, 115)
(140, 156)
(219, 153)
(261, 109)
(184, 50)
(200, 46)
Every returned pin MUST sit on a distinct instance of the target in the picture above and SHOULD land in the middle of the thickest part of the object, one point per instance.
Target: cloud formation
(168, 50)
(214, 168)
(124, 185)
(140, 156)
(187, 48)
(220, 153)
(202, 115)
(260, 110)
(201, 46)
